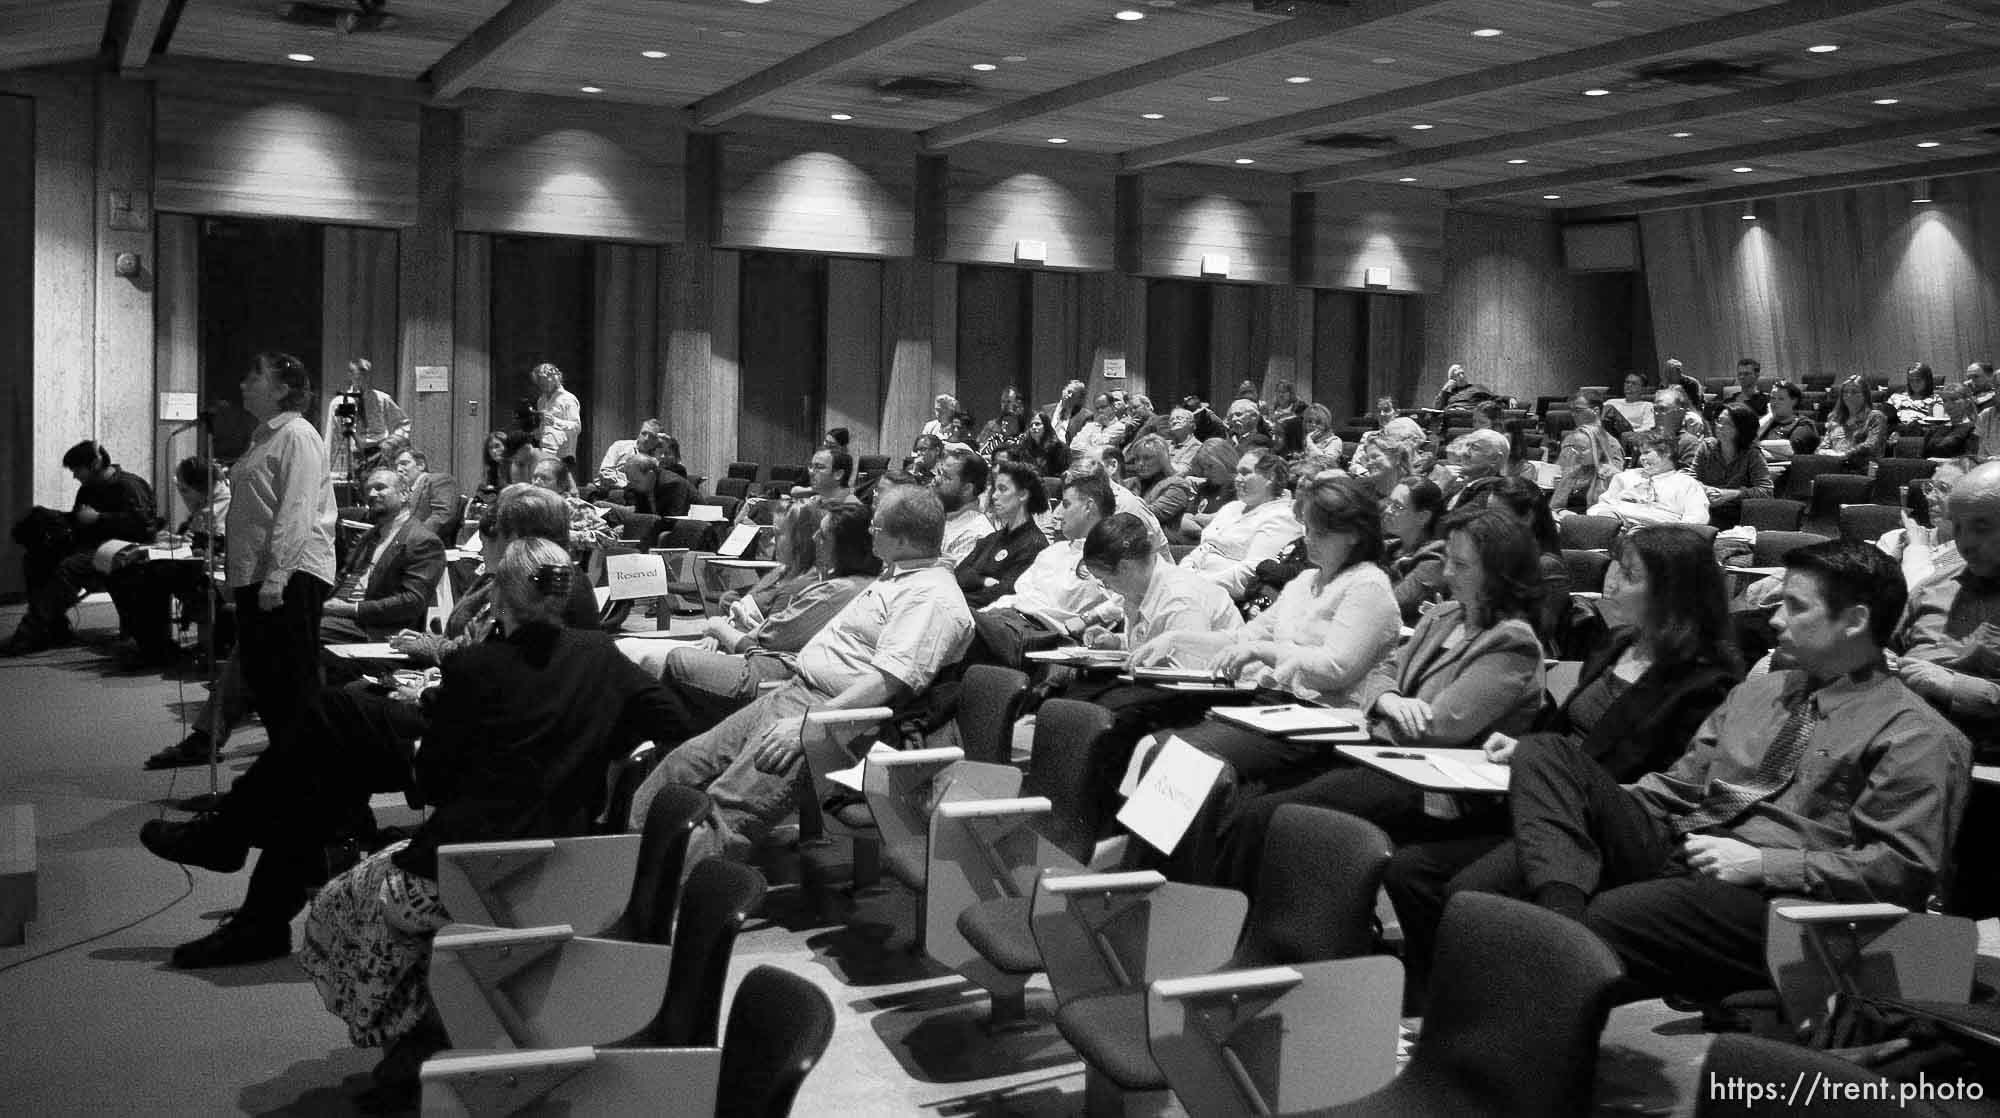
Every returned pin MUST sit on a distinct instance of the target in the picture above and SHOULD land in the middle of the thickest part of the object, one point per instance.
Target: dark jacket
(521, 733)
(401, 583)
(438, 503)
(1000, 556)
(124, 503)
(1651, 724)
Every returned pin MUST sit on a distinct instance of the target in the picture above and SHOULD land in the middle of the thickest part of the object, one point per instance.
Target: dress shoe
(202, 841)
(233, 943)
(194, 749)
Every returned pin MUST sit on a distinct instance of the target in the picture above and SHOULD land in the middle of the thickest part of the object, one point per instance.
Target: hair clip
(553, 579)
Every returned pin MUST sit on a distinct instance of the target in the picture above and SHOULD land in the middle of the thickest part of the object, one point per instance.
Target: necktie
(1726, 801)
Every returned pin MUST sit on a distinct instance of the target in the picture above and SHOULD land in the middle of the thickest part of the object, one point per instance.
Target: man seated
(1052, 600)
(1673, 414)
(647, 442)
(1158, 597)
(1950, 646)
(960, 479)
(392, 571)
(1830, 781)
(110, 505)
(1182, 445)
(1476, 454)
(883, 648)
(1247, 429)
(143, 592)
(1654, 492)
(434, 496)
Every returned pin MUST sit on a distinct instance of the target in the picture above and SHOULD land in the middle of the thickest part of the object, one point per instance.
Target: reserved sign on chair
(635, 576)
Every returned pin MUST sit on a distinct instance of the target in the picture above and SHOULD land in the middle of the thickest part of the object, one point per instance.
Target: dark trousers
(1676, 931)
(301, 795)
(280, 651)
(54, 585)
(144, 594)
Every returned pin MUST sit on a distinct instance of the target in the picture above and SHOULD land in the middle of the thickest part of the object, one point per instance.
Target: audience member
(435, 497)
(1856, 430)
(144, 592)
(1654, 492)
(989, 571)
(1919, 404)
(1746, 390)
(1070, 411)
(1416, 560)
(1459, 390)
(1786, 423)
(1042, 448)
(646, 442)
(1245, 428)
(959, 481)
(1167, 494)
(392, 571)
(561, 430)
(60, 559)
(1985, 409)
(1590, 456)
(1248, 530)
(1730, 466)
(1675, 375)
(1948, 639)
(1004, 428)
(1468, 458)
(1633, 412)
(1319, 436)
(1525, 502)
(1158, 597)
(942, 409)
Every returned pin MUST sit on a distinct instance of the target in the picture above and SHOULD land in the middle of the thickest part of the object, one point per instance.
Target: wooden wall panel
(998, 343)
(998, 197)
(17, 327)
(123, 318)
(909, 350)
(241, 149)
(1357, 226)
(176, 341)
(471, 362)
(1858, 281)
(625, 344)
(358, 309)
(1187, 212)
(440, 424)
(557, 167)
(854, 350)
(1517, 320)
(65, 282)
(804, 189)
(1340, 364)
(1230, 307)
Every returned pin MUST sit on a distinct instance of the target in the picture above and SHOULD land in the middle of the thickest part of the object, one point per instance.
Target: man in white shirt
(1181, 443)
(1654, 493)
(960, 479)
(1158, 596)
(883, 648)
(562, 415)
(648, 442)
(371, 415)
(1052, 599)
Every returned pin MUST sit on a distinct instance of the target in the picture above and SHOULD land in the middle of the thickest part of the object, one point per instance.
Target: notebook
(1291, 718)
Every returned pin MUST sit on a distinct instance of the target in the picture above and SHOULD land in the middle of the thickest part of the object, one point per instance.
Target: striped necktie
(1725, 801)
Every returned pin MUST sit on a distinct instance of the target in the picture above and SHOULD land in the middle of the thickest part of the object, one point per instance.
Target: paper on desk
(1170, 794)
(1482, 775)
(178, 551)
(366, 650)
(851, 778)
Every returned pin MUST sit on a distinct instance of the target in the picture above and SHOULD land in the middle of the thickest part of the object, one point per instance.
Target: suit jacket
(438, 503)
(400, 585)
(1491, 682)
(1649, 726)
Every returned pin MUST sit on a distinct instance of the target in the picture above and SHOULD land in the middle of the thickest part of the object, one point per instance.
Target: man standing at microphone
(280, 530)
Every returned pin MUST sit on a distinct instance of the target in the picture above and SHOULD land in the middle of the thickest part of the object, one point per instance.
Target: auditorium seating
(1773, 514)
(1893, 475)
(1829, 493)
(1869, 522)
(1772, 547)
(1588, 533)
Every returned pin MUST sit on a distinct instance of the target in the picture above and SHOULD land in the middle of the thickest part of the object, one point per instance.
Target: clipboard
(1435, 770)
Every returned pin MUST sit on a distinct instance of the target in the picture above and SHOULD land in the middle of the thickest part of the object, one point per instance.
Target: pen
(1390, 755)
(1272, 710)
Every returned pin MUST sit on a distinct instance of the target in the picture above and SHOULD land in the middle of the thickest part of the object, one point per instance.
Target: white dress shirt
(1238, 539)
(1668, 498)
(281, 510)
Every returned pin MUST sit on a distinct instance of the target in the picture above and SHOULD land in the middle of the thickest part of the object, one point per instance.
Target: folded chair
(779, 1026)
(1315, 902)
(551, 988)
(623, 886)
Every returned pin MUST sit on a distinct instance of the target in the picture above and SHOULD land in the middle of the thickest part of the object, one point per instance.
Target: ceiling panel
(252, 31)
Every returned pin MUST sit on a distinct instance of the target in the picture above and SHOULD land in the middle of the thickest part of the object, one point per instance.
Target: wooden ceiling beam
(136, 45)
(1514, 75)
(475, 56)
(1898, 75)
(1811, 184)
(863, 42)
(1250, 44)
(1757, 151)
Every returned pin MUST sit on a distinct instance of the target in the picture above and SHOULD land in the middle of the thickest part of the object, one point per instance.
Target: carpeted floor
(93, 1021)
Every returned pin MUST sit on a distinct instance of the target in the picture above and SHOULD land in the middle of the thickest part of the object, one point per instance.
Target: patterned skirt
(368, 947)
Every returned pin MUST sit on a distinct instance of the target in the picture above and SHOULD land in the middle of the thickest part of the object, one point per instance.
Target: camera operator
(61, 547)
(366, 414)
(559, 415)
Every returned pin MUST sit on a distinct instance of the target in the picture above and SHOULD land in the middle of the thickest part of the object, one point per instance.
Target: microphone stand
(203, 426)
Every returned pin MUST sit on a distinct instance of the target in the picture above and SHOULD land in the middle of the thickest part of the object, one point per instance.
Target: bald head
(1974, 511)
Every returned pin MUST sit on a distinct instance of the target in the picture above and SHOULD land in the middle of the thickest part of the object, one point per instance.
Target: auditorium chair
(1315, 902)
(1772, 547)
(732, 487)
(1907, 447)
(1586, 569)
(1773, 514)
(1588, 533)
(875, 464)
(788, 476)
(1829, 493)
(1736, 1062)
(745, 470)
(1893, 475)
(1797, 484)
(1556, 423)
(779, 1026)
(624, 886)
(551, 988)
(1868, 523)
(1518, 1000)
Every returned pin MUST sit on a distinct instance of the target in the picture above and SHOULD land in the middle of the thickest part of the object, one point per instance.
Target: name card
(738, 541)
(635, 576)
(1169, 794)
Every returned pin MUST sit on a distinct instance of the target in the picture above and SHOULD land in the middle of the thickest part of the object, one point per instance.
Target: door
(782, 318)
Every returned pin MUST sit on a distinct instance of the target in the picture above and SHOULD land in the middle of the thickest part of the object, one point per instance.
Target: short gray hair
(912, 513)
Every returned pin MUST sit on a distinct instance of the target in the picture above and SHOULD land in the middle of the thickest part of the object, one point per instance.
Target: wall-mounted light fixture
(1031, 252)
(1214, 264)
(1749, 211)
(1923, 192)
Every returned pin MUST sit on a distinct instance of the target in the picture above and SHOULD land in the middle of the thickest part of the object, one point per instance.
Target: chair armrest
(996, 809)
(849, 717)
(584, 882)
(942, 755)
(487, 939)
(1131, 881)
(1840, 913)
(1259, 980)
(524, 849)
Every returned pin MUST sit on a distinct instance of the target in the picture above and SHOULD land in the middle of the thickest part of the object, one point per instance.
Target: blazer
(399, 587)
(437, 502)
(1649, 726)
(1491, 682)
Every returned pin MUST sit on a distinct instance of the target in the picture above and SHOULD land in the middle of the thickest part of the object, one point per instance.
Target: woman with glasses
(1416, 564)
(1590, 457)
(1856, 429)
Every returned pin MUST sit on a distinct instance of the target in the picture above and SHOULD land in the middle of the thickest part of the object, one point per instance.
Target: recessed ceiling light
(1517, 162)
(1159, 3)
(1743, 170)
(1927, 143)
(1219, 98)
(652, 54)
(1682, 135)
(590, 89)
(1597, 93)
(1822, 48)
(1152, 116)
(1550, 197)
(1749, 215)
(841, 116)
(984, 66)
(300, 57)
(1057, 140)
(1129, 15)
(1487, 32)
(732, 34)
(1960, 25)
(1246, 160)
(756, 1)
(1607, 3)
(1888, 101)
(1015, 58)
(1297, 79)
(891, 99)
(1774, 120)
(1382, 61)
(1422, 127)
(1406, 178)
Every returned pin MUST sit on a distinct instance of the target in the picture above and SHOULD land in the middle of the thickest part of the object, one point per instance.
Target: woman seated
(1213, 477)
(1042, 447)
(792, 548)
(1589, 458)
(1382, 461)
(1856, 430)
(1319, 434)
(587, 526)
(1252, 528)
(1416, 563)
(1665, 659)
(1524, 501)
(524, 730)
(1168, 495)
(1730, 466)
(1919, 406)
(1656, 492)
(1787, 423)
(1473, 667)
(1327, 631)
(1015, 500)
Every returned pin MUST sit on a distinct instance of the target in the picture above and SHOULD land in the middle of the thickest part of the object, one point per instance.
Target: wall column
(444, 424)
(124, 404)
(701, 382)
